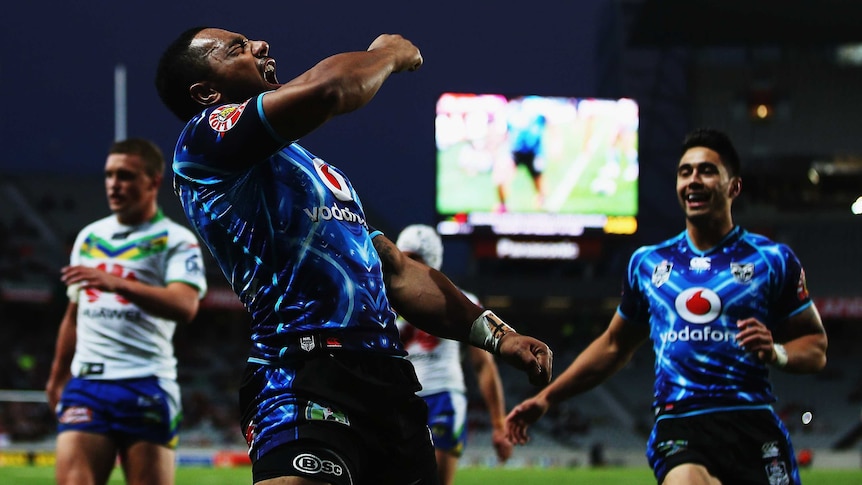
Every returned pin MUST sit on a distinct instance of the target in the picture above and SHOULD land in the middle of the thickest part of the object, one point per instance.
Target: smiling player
(714, 300)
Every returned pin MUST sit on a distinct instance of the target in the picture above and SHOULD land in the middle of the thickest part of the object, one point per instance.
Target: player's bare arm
(337, 85)
(491, 388)
(424, 296)
(429, 300)
(804, 351)
(63, 354)
(606, 355)
(176, 301)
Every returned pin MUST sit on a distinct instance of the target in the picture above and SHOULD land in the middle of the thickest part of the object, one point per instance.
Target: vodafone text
(334, 212)
(703, 334)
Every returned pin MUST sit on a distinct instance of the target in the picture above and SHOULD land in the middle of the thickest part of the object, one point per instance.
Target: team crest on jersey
(661, 273)
(225, 117)
(776, 473)
(742, 272)
(698, 305)
(333, 180)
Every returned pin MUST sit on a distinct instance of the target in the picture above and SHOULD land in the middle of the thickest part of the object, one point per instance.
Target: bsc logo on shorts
(308, 463)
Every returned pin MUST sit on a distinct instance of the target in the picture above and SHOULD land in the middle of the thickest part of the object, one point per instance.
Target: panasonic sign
(507, 248)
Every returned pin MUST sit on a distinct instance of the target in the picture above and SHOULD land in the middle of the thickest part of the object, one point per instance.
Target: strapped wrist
(780, 355)
(487, 332)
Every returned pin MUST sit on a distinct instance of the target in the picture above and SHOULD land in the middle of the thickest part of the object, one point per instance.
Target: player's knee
(690, 474)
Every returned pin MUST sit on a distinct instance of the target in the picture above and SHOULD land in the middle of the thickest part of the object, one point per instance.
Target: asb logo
(333, 180)
(698, 305)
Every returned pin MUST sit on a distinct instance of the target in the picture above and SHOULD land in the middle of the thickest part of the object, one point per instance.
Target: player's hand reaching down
(502, 446)
(528, 354)
(522, 416)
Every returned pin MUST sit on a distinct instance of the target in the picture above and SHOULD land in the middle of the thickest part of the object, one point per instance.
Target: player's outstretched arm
(426, 298)
(607, 354)
(337, 85)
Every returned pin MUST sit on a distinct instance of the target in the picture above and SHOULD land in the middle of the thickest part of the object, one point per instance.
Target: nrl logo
(661, 273)
(306, 343)
(742, 273)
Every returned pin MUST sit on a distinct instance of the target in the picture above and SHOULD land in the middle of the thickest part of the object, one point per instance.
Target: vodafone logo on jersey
(698, 305)
(333, 180)
(225, 117)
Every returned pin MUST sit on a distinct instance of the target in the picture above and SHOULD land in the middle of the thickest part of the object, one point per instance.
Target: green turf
(468, 476)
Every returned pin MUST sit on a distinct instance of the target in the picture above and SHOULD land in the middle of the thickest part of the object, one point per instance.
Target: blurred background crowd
(782, 78)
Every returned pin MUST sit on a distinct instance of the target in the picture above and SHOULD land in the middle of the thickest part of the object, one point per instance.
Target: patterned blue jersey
(287, 230)
(692, 300)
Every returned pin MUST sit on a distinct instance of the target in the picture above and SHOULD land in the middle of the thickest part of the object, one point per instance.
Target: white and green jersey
(437, 360)
(116, 339)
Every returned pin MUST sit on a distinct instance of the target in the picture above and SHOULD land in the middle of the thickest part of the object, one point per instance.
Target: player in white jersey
(132, 277)
(439, 368)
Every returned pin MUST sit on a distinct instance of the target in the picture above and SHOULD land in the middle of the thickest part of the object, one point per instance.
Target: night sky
(57, 71)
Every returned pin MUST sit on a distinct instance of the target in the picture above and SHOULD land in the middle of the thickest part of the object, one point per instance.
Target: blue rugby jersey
(692, 300)
(287, 230)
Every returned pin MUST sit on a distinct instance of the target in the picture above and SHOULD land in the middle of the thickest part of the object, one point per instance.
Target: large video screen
(536, 165)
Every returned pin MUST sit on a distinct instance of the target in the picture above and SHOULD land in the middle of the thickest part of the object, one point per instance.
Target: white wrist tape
(487, 331)
(780, 355)
(72, 292)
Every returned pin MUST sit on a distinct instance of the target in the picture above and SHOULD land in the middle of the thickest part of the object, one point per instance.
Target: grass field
(39, 475)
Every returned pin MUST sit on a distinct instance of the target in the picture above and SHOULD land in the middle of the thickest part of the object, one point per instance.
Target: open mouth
(269, 71)
(696, 199)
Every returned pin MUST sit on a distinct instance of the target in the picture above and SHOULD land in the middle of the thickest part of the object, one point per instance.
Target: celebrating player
(327, 395)
(715, 300)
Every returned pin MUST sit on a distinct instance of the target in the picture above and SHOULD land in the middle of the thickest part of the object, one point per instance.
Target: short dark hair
(180, 66)
(150, 153)
(717, 141)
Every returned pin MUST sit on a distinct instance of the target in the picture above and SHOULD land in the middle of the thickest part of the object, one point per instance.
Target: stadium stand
(606, 425)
